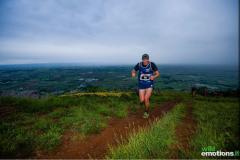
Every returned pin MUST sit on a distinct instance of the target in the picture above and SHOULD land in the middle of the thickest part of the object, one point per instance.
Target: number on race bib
(145, 77)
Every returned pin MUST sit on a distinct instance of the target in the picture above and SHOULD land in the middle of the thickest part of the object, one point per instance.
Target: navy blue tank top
(144, 74)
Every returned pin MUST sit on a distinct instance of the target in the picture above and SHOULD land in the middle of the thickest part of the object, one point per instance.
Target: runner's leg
(146, 99)
(141, 96)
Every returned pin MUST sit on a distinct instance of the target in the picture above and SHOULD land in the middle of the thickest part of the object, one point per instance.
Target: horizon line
(111, 64)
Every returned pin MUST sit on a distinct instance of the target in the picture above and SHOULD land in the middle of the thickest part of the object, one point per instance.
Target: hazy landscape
(44, 79)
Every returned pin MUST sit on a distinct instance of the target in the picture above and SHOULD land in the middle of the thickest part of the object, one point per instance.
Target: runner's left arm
(156, 74)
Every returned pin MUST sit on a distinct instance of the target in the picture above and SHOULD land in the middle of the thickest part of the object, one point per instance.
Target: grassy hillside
(29, 125)
(217, 127)
(153, 142)
(38, 124)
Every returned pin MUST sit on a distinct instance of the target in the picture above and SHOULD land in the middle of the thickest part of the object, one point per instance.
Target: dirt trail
(184, 132)
(96, 146)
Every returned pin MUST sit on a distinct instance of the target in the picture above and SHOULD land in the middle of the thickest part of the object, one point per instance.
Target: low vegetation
(39, 124)
(151, 143)
(218, 125)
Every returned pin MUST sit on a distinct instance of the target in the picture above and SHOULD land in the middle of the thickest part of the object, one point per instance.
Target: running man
(147, 72)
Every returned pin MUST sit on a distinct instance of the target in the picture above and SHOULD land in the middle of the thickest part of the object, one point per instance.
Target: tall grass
(153, 142)
(218, 125)
(15, 141)
(40, 123)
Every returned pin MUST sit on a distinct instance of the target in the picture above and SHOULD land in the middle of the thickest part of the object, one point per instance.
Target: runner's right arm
(135, 69)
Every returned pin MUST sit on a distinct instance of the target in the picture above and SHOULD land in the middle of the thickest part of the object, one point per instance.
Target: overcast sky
(119, 31)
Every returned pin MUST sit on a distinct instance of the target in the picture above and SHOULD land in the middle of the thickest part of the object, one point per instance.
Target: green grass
(50, 138)
(218, 125)
(83, 120)
(40, 123)
(153, 142)
(15, 141)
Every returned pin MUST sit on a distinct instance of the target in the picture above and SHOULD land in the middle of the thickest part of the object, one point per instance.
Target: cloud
(106, 31)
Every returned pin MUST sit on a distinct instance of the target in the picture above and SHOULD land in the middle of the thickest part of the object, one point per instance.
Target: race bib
(145, 77)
